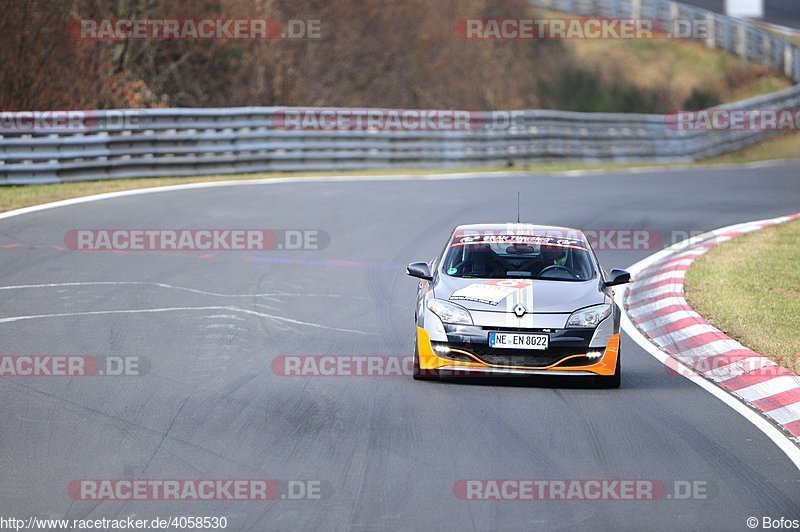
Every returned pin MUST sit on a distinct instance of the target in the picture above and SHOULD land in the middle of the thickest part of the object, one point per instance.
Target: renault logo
(520, 311)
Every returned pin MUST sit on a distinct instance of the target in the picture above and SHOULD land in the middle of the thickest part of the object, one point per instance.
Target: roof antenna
(518, 206)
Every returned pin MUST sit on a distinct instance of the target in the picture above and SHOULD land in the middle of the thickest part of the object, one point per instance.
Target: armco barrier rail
(186, 142)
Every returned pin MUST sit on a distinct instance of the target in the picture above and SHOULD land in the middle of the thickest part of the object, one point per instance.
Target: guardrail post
(674, 14)
(725, 38)
(788, 61)
(711, 30)
(636, 9)
(741, 44)
(796, 54)
(766, 49)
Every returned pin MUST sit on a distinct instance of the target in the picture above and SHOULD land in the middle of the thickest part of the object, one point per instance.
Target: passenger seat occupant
(481, 261)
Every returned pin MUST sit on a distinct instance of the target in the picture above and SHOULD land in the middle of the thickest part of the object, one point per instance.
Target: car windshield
(518, 256)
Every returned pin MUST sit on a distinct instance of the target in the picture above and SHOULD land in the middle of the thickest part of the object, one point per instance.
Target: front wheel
(612, 381)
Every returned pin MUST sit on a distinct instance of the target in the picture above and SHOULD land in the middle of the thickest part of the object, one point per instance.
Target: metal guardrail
(187, 142)
(718, 31)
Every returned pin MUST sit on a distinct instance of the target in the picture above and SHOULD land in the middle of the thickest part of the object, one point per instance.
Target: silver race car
(517, 299)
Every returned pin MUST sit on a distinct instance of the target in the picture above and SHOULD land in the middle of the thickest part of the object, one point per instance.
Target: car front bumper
(471, 355)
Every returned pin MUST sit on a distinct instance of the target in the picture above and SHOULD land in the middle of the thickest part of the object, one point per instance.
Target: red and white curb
(655, 305)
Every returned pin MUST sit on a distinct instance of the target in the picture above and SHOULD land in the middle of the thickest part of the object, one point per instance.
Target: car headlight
(589, 317)
(449, 312)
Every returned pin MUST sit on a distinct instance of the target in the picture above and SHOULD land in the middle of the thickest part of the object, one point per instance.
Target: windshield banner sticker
(489, 293)
(520, 239)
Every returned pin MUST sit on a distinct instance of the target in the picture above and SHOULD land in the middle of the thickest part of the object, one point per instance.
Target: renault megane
(517, 299)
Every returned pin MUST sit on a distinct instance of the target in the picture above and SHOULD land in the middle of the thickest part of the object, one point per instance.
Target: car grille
(529, 358)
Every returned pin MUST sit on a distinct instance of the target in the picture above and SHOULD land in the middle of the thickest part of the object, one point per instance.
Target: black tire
(612, 381)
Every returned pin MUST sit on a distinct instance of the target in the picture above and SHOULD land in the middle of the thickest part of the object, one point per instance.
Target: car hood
(502, 295)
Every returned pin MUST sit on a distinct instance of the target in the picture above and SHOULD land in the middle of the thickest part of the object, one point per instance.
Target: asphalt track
(388, 450)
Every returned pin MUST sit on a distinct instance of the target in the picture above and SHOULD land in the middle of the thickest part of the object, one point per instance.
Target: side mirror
(617, 276)
(420, 270)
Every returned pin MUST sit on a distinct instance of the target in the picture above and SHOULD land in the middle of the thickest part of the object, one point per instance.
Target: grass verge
(749, 288)
(782, 147)
(656, 75)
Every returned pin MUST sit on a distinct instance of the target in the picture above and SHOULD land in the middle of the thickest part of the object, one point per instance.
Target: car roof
(512, 228)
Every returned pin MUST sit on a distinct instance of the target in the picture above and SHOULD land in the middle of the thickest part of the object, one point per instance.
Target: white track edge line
(388, 177)
(780, 439)
(784, 442)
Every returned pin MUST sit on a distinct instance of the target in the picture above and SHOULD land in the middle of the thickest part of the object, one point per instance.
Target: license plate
(518, 341)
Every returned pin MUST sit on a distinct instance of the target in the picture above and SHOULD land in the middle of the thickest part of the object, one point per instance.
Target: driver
(553, 256)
